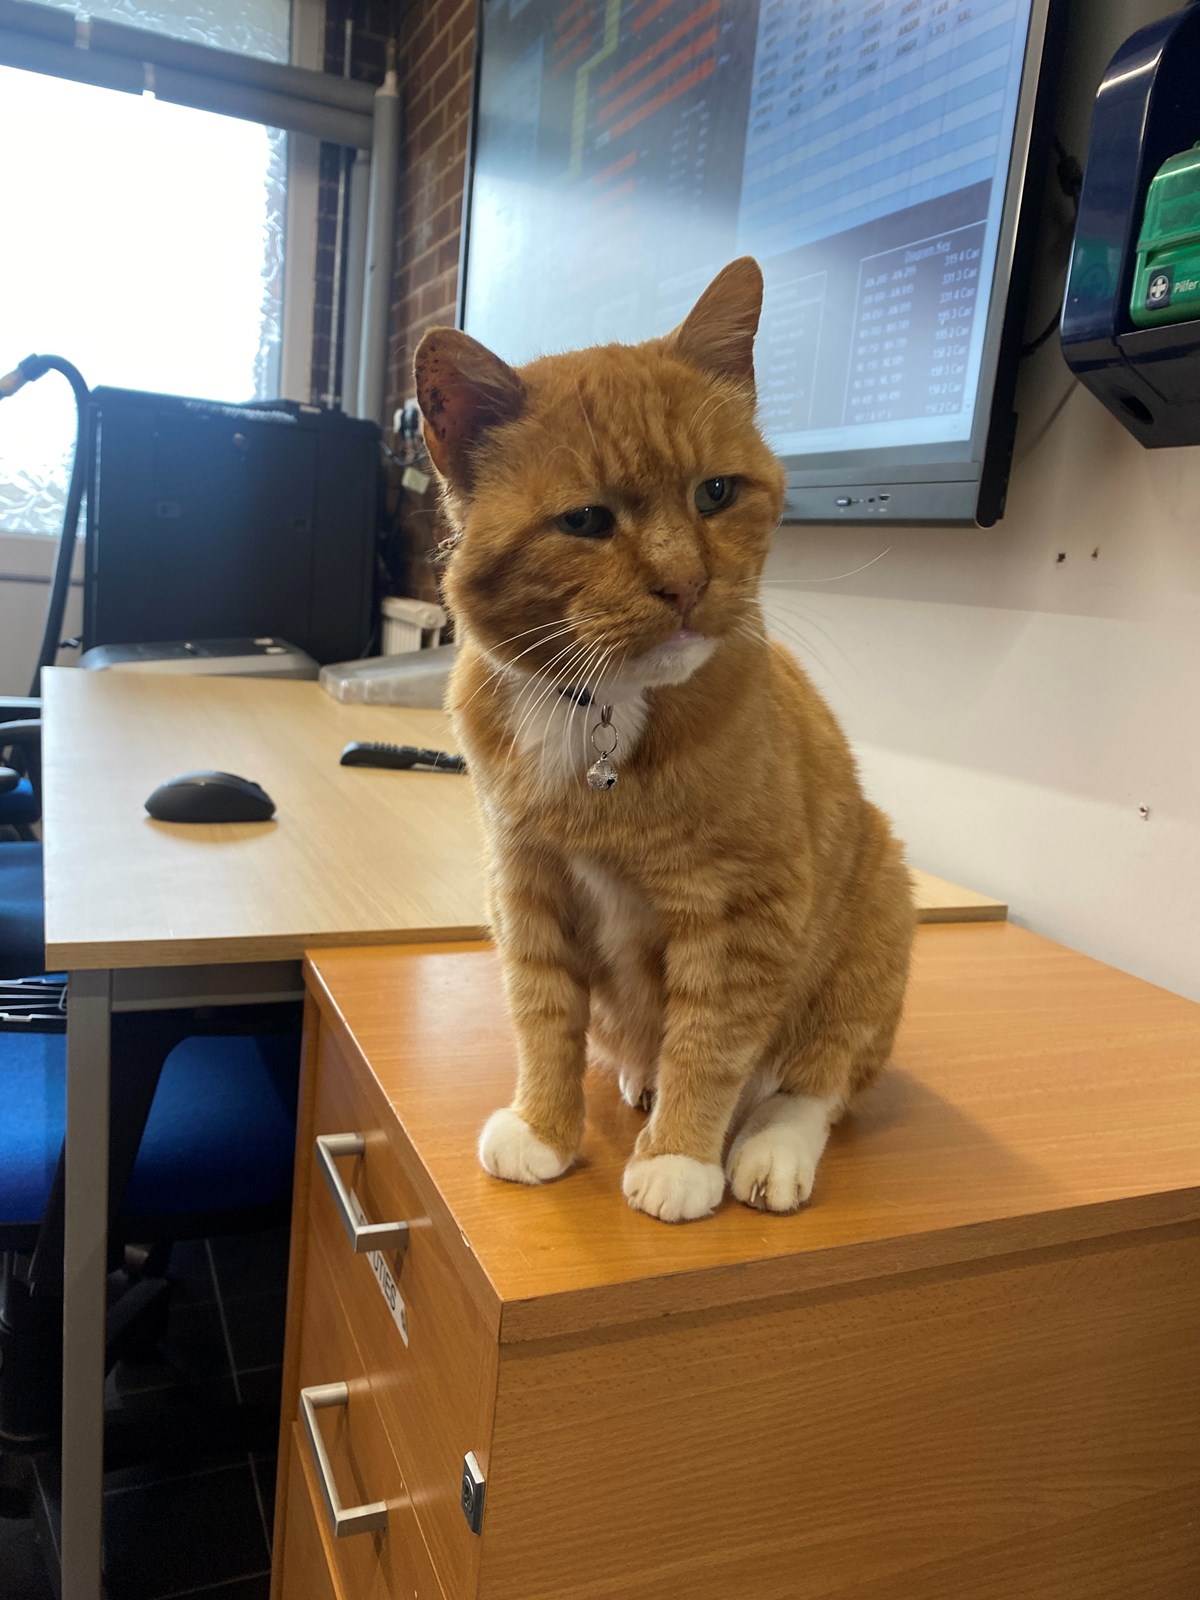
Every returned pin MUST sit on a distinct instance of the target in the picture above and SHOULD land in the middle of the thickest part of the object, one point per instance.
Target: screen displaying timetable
(626, 149)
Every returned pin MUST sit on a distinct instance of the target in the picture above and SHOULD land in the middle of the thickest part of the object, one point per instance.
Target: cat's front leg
(724, 990)
(627, 1024)
(536, 1138)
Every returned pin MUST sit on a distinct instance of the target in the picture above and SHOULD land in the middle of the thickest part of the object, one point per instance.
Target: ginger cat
(728, 926)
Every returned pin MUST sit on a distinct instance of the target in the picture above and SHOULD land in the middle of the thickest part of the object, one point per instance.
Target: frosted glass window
(145, 245)
(252, 27)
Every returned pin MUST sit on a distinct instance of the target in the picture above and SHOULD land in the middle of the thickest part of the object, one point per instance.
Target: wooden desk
(141, 913)
(939, 900)
(967, 1372)
(354, 855)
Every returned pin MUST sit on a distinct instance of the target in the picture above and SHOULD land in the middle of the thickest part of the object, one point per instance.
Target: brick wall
(374, 21)
(436, 62)
(435, 58)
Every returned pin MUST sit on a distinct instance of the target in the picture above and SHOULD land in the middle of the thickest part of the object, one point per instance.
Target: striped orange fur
(728, 928)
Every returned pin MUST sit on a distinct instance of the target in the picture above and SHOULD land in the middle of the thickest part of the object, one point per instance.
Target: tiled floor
(191, 1522)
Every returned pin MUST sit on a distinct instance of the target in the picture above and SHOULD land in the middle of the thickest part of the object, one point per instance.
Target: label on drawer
(388, 1287)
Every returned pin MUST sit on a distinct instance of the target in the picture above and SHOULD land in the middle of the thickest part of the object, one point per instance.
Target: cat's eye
(714, 494)
(586, 522)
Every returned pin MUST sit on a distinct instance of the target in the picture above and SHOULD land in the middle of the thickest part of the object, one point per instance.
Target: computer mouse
(210, 797)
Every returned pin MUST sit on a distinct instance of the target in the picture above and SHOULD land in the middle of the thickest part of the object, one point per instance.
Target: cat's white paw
(637, 1087)
(772, 1170)
(509, 1148)
(773, 1162)
(674, 1188)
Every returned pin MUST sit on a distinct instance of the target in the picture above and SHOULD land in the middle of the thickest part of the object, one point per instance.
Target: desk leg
(85, 1275)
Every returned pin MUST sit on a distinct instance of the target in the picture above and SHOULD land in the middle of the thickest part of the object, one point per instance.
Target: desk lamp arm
(28, 371)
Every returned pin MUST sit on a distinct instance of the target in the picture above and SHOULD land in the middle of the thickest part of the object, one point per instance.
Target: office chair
(20, 772)
(22, 904)
(22, 912)
(203, 1144)
(203, 1139)
(22, 944)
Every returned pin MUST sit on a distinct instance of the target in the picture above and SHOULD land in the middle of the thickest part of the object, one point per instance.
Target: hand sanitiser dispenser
(1131, 315)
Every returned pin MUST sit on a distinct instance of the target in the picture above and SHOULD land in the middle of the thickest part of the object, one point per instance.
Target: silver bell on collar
(602, 774)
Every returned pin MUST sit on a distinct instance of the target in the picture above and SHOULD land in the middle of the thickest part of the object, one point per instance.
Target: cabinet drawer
(390, 1562)
(435, 1393)
(307, 1572)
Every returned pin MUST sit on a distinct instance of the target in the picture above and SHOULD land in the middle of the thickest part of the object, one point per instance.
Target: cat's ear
(717, 335)
(463, 390)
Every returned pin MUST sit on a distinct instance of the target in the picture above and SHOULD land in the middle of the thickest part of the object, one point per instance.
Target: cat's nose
(682, 593)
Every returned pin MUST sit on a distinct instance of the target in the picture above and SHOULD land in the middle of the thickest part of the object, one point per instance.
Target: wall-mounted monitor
(872, 154)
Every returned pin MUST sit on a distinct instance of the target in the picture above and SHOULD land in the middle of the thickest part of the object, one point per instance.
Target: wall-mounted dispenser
(1131, 315)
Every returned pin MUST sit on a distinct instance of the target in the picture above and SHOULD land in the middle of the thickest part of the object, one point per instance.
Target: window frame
(27, 557)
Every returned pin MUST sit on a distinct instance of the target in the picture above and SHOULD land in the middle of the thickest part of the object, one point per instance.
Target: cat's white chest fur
(555, 733)
(624, 918)
(550, 725)
(625, 927)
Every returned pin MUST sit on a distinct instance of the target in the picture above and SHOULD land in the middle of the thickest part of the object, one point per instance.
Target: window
(145, 245)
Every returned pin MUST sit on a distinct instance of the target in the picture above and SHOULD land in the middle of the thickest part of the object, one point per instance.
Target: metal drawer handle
(343, 1520)
(363, 1236)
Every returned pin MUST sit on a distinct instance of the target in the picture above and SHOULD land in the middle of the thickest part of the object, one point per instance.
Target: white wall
(1013, 712)
(26, 564)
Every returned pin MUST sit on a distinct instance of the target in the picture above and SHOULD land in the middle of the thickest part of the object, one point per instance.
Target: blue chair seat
(19, 807)
(22, 908)
(220, 1136)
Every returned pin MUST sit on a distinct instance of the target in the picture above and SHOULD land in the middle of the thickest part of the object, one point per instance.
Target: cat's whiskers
(557, 622)
(502, 670)
(595, 689)
(555, 446)
(567, 713)
(588, 423)
(544, 680)
(561, 681)
(590, 710)
(600, 683)
(783, 632)
(837, 578)
(745, 629)
(809, 616)
(573, 669)
(788, 624)
(533, 685)
(713, 402)
(569, 627)
(533, 678)
(560, 626)
(597, 656)
(578, 654)
(783, 624)
(597, 699)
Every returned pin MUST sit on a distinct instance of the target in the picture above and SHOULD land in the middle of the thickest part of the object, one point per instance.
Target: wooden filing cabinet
(969, 1371)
